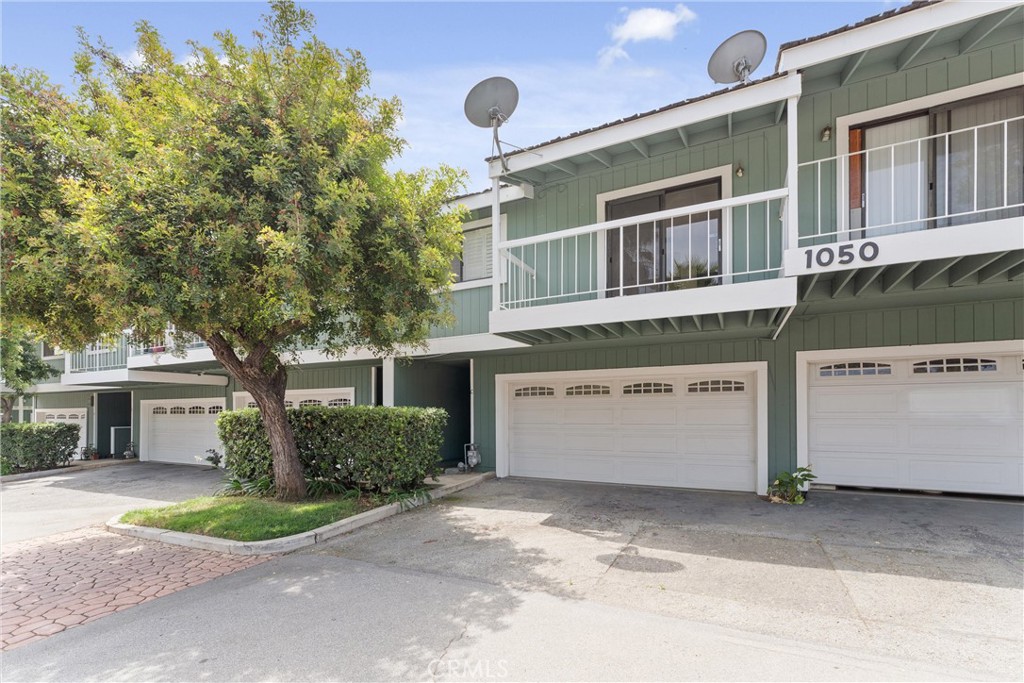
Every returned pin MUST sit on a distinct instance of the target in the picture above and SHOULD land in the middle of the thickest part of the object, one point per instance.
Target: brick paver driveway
(61, 568)
(57, 582)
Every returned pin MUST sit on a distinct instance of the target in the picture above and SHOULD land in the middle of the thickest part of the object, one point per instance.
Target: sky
(576, 64)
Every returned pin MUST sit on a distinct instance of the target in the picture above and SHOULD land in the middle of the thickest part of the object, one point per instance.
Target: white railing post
(496, 243)
(792, 236)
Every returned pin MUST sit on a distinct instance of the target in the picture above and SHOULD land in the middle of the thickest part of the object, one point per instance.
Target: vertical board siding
(470, 308)
(974, 322)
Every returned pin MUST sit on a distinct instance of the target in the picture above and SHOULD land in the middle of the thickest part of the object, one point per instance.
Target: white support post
(495, 242)
(388, 380)
(791, 238)
(472, 407)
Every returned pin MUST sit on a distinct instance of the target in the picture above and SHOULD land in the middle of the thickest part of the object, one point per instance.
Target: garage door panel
(862, 401)
(960, 434)
(586, 416)
(721, 476)
(960, 399)
(525, 441)
(945, 475)
(635, 434)
(648, 415)
(667, 444)
(853, 434)
(718, 446)
(537, 415)
(588, 441)
(857, 470)
(719, 414)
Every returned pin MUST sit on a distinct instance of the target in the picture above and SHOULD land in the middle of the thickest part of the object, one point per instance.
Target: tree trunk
(7, 405)
(289, 479)
(265, 377)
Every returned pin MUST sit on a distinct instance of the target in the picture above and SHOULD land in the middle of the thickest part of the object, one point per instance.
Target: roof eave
(920, 20)
(772, 89)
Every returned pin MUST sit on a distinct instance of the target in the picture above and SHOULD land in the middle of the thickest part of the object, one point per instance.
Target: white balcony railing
(964, 176)
(97, 358)
(167, 345)
(722, 242)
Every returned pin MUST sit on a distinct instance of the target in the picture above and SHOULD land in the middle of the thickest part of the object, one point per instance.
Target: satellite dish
(737, 57)
(489, 104)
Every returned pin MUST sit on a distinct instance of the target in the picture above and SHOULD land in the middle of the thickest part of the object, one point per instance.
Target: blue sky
(577, 64)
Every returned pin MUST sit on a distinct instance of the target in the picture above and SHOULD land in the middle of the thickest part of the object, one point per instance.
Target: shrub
(33, 446)
(381, 449)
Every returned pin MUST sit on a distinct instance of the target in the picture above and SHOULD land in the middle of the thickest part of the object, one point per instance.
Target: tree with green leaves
(241, 195)
(21, 368)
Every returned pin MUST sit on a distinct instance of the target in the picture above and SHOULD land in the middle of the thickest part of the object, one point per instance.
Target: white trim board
(744, 296)
(759, 368)
(986, 237)
(804, 359)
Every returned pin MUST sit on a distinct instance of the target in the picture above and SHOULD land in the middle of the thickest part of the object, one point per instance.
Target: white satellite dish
(737, 57)
(489, 104)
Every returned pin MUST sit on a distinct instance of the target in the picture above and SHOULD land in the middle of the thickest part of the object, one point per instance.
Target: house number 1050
(843, 255)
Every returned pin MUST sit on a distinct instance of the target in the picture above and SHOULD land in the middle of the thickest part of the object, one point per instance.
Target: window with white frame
(475, 263)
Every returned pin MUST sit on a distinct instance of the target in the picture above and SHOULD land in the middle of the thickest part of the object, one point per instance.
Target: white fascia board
(745, 296)
(153, 360)
(891, 30)
(54, 388)
(482, 200)
(735, 100)
(467, 343)
(925, 245)
(77, 379)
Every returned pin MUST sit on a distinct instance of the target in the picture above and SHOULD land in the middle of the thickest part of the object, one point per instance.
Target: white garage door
(943, 423)
(675, 428)
(75, 416)
(180, 431)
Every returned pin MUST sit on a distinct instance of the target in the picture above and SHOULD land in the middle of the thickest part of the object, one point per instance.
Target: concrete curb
(287, 544)
(92, 465)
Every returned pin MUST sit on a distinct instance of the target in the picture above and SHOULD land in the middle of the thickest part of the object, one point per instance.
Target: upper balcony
(919, 210)
(711, 266)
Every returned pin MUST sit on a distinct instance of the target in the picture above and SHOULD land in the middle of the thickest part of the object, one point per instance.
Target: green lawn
(246, 518)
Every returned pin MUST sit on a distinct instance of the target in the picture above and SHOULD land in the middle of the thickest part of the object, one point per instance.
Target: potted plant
(90, 453)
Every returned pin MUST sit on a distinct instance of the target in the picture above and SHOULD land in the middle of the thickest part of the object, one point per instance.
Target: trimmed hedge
(377, 448)
(33, 446)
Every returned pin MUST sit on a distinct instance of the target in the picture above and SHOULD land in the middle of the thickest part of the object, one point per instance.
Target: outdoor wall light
(739, 171)
(826, 133)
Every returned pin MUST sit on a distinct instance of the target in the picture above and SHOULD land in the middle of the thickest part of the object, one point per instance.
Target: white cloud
(132, 58)
(648, 23)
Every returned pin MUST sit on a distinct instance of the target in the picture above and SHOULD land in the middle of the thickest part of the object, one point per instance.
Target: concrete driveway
(927, 581)
(63, 502)
(517, 580)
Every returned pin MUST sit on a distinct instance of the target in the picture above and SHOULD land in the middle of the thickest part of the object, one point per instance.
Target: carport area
(933, 583)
